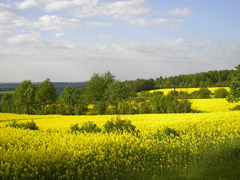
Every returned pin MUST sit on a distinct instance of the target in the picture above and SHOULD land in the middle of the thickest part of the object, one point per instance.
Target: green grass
(228, 168)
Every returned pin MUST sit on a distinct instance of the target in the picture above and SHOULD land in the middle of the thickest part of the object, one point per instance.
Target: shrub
(169, 131)
(183, 95)
(87, 127)
(74, 128)
(170, 104)
(184, 106)
(118, 125)
(202, 93)
(236, 108)
(221, 93)
(28, 125)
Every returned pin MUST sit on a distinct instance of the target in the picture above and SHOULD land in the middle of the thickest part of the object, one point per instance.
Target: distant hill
(59, 86)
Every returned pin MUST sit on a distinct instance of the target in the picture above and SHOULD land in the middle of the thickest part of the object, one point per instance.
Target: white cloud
(179, 12)
(132, 11)
(58, 35)
(53, 22)
(26, 39)
(6, 14)
(4, 35)
(27, 4)
(123, 10)
(149, 60)
(145, 22)
(63, 4)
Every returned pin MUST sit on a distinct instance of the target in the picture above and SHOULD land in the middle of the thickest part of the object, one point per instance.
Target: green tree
(73, 101)
(46, 94)
(97, 86)
(67, 98)
(24, 97)
(116, 93)
(7, 103)
(81, 105)
(234, 93)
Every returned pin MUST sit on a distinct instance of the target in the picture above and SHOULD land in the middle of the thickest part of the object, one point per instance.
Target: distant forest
(204, 79)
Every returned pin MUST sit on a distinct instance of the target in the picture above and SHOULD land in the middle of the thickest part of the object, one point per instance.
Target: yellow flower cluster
(188, 90)
(54, 153)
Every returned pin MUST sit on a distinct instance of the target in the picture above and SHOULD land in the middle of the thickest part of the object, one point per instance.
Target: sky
(70, 40)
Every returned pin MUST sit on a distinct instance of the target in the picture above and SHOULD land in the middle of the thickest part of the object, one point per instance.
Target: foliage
(118, 125)
(87, 127)
(109, 96)
(97, 86)
(46, 93)
(170, 132)
(28, 125)
(73, 100)
(234, 94)
(169, 103)
(236, 108)
(116, 93)
(24, 97)
(7, 103)
(220, 93)
(202, 93)
(100, 107)
(205, 79)
(80, 109)
(145, 107)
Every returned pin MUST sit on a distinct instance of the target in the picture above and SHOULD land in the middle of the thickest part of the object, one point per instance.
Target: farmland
(53, 152)
(199, 145)
(188, 90)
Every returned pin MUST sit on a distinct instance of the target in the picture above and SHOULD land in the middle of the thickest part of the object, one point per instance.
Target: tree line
(199, 80)
(103, 94)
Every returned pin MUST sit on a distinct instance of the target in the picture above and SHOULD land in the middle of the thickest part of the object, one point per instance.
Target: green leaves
(234, 94)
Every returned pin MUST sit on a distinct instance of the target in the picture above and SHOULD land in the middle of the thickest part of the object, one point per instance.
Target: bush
(221, 93)
(28, 125)
(236, 108)
(203, 93)
(169, 104)
(184, 106)
(87, 127)
(119, 125)
(183, 95)
(168, 132)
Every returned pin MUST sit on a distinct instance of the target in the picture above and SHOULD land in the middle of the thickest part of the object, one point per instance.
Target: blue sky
(69, 40)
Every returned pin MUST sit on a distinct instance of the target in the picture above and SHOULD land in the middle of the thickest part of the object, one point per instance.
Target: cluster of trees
(29, 98)
(110, 96)
(106, 94)
(204, 79)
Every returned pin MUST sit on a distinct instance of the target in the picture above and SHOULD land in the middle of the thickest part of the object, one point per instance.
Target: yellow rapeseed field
(165, 144)
(53, 152)
(212, 105)
(189, 90)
